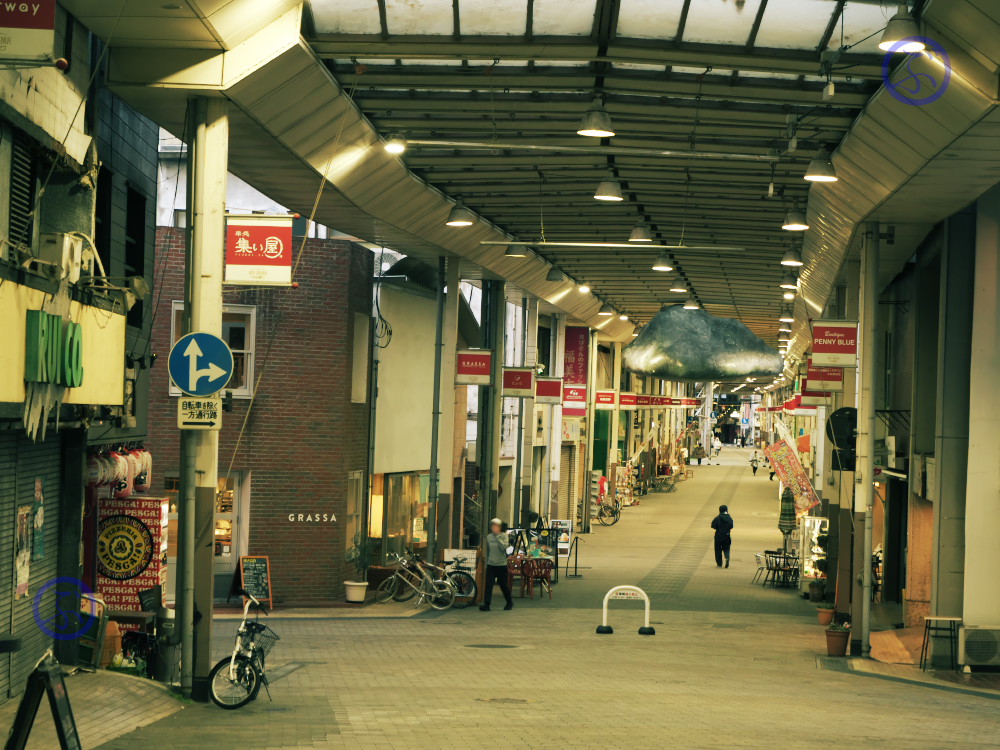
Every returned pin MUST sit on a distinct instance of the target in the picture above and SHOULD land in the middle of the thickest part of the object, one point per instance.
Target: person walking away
(754, 462)
(497, 544)
(698, 453)
(717, 445)
(723, 525)
(770, 467)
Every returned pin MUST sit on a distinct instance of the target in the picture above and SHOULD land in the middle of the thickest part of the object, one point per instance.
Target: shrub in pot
(359, 554)
(838, 636)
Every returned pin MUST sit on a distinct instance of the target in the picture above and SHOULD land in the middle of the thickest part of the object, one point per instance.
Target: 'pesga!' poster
(130, 558)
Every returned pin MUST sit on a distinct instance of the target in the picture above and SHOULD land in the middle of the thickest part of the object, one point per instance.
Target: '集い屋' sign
(53, 350)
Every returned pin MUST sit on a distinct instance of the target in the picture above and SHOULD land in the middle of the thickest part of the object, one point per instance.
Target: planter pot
(836, 642)
(355, 590)
(817, 590)
(825, 616)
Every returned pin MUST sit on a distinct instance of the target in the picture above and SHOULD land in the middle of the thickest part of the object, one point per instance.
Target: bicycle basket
(263, 640)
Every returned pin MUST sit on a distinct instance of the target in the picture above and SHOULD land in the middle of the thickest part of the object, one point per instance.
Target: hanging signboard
(627, 401)
(473, 367)
(643, 401)
(661, 401)
(605, 399)
(259, 250)
(574, 400)
(519, 382)
(835, 343)
(685, 403)
(815, 398)
(825, 378)
(548, 390)
(576, 361)
(26, 30)
(786, 465)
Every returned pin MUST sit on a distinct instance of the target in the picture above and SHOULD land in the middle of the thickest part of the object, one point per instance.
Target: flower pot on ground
(837, 638)
(355, 591)
(825, 614)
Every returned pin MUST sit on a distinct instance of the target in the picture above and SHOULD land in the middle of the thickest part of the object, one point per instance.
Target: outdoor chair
(761, 567)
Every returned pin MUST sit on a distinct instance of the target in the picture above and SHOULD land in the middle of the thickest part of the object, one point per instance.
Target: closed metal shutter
(565, 482)
(8, 477)
(33, 461)
(575, 490)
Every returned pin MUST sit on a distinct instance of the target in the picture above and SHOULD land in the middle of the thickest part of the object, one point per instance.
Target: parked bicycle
(413, 578)
(608, 514)
(237, 679)
(463, 578)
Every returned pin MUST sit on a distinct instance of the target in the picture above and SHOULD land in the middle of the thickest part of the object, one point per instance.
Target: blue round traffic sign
(200, 364)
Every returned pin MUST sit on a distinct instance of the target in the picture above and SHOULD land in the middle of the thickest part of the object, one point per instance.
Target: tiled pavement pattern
(732, 665)
(105, 705)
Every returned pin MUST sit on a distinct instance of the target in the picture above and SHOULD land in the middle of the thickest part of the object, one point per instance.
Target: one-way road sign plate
(199, 413)
(200, 364)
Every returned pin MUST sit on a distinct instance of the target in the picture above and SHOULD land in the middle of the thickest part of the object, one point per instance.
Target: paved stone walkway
(732, 665)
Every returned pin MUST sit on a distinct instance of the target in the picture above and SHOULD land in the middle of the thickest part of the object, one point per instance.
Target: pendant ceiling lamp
(679, 287)
(554, 274)
(795, 221)
(662, 264)
(786, 316)
(516, 251)
(395, 144)
(792, 258)
(596, 122)
(460, 216)
(623, 316)
(583, 289)
(788, 295)
(606, 310)
(609, 190)
(640, 233)
(691, 303)
(901, 33)
(821, 168)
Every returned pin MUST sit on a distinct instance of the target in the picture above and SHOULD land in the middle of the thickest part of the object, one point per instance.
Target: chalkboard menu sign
(255, 577)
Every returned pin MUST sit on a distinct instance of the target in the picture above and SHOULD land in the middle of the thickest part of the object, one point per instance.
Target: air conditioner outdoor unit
(63, 250)
(979, 645)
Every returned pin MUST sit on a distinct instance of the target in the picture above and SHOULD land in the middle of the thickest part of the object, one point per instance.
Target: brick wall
(303, 436)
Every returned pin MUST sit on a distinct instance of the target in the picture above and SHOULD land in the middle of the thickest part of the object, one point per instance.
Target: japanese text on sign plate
(194, 409)
(272, 247)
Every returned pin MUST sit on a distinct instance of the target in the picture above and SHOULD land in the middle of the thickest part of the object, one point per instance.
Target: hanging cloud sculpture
(691, 345)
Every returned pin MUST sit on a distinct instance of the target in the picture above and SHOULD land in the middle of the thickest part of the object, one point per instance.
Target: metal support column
(208, 151)
(490, 402)
(864, 478)
(434, 483)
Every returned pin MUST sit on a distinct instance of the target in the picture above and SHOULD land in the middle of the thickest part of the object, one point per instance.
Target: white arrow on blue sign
(200, 364)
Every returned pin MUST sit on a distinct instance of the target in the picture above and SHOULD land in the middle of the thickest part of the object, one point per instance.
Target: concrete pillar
(553, 440)
(920, 516)
(951, 440)
(447, 531)
(208, 153)
(614, 436)
(490, 402)
(529, 358)
(982, 521)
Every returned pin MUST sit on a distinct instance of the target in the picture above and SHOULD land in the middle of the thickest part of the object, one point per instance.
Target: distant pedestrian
(754, 462)
(723, 525)
(497, 544)
(684, 456)
(698, 453)
(717, 446)
(770, 467)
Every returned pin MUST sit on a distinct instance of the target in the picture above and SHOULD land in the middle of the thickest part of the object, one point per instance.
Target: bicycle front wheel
(387, 589)
(443, 596)
(234, 689)
(465, 588)
(404, 591)
(605, 515)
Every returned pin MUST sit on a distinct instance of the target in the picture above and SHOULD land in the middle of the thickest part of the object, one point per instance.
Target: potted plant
(838, 635)
(359, 554)
(825, 612)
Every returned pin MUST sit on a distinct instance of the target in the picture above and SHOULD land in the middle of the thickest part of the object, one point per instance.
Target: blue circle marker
(200, 364)
(68, 621)
(919, 87)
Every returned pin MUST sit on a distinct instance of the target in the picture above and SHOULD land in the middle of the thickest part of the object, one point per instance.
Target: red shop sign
(643, 401)
(835, 344)
(548, 390)
(518, 382)
(473, 367)
(26, 30)
(627, 400)
(259, 250)
(605, 399)
(574, 400)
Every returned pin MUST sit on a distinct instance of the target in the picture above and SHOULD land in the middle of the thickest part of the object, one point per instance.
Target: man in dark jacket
(723, 524)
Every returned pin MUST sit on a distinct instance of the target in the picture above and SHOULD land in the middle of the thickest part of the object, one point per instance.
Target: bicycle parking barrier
(625, 592)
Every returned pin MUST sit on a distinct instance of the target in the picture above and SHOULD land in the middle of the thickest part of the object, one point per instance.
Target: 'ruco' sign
(53, 350)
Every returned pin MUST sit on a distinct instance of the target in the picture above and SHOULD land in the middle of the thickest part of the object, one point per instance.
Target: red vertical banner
(576, 362)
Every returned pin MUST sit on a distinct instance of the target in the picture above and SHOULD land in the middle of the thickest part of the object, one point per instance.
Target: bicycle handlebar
(253, 600)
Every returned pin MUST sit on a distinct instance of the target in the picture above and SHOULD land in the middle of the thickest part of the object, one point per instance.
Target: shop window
(239, 324)
(355, 496)
(359, 360)
(135, 246)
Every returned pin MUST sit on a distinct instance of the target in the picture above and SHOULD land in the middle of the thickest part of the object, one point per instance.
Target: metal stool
(933, 625)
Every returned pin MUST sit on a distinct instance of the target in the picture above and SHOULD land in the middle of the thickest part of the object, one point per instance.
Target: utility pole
(208, 149)
(434, 489)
